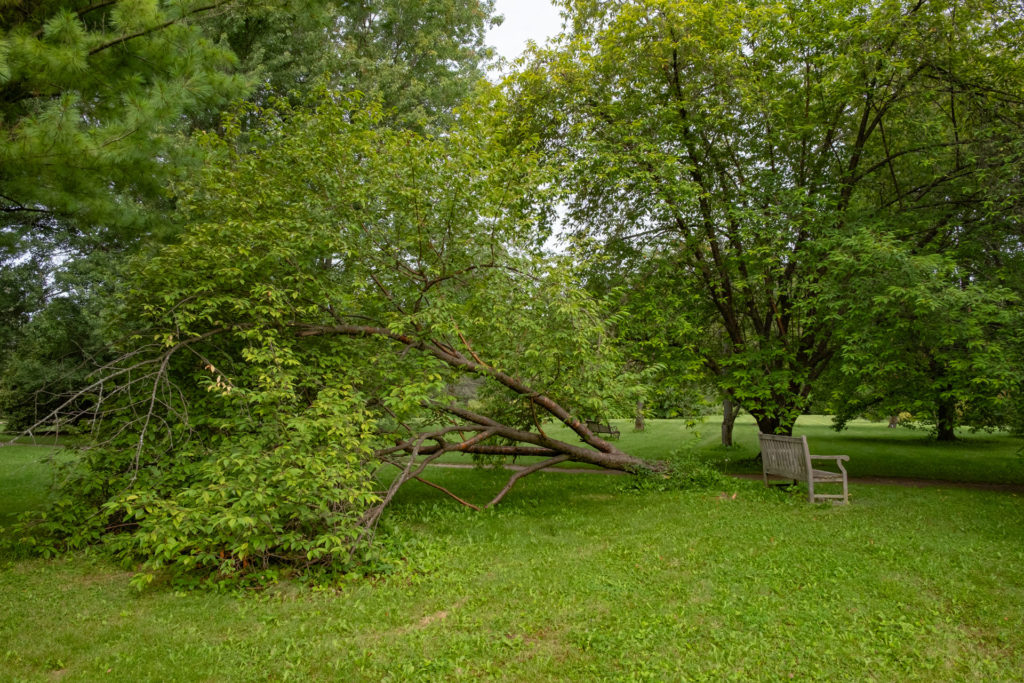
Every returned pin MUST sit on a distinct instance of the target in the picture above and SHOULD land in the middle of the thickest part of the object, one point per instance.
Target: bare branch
(436, 435)
(97, 385)
(447, 492)
(524, 472)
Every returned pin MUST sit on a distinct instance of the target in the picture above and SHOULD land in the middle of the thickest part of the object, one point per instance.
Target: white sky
(535, 20)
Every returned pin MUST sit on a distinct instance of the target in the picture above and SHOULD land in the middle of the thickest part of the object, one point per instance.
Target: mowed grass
(874, 449)
(573, 579)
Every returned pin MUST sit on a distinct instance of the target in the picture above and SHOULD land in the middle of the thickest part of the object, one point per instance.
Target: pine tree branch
(80, 13)
(153, 29)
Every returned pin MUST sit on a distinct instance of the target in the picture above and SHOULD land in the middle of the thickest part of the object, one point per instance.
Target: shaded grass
(24, 476)
(572, 579)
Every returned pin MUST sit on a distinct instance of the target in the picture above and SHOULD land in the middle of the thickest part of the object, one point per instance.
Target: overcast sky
(535, 20)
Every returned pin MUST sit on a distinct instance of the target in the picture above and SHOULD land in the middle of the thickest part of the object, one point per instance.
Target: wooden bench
(601, 428)
(789, 457)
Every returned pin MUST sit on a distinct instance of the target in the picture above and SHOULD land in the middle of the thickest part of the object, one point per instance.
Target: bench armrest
(837, 458)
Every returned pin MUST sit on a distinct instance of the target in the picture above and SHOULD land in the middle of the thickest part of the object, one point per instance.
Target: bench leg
(810, 489)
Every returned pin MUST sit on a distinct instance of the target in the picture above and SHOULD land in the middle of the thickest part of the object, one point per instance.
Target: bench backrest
(785, 456)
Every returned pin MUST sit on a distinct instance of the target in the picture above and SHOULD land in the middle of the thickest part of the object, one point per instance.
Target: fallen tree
(336, 280)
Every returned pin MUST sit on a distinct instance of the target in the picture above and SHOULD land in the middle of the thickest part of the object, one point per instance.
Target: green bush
(287, 494)
(686, 471)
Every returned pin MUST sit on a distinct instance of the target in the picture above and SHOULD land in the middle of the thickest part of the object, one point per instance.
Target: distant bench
(601, 428)
(789, 457)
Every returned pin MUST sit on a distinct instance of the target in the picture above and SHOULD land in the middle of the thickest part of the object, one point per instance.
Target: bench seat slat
(824, 475)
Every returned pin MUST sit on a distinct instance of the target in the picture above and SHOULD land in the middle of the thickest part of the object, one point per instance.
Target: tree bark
(945, 420)
(606, 455)
(729, 413)
(638, 417)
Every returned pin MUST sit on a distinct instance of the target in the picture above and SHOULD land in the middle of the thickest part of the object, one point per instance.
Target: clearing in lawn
(571, 578)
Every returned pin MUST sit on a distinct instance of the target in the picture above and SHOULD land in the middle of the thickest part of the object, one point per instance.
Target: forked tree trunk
(770, 424)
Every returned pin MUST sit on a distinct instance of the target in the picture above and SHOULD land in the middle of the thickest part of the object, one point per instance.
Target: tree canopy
(98, 102)
(754, 146)
(94, 95)
(91, 96)
(335, 280)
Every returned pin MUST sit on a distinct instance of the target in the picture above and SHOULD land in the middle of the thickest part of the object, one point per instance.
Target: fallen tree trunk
(601, 452)
(594, 451)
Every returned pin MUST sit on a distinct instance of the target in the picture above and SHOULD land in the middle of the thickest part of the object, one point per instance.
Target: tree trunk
(771, 424)
(945, 420)
(894, 421)
(729, 413)
(638, 417)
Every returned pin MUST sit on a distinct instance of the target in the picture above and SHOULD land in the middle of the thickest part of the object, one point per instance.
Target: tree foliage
(94, 95)
(795, 197)
(91, 96)
(928, 341)
(97, 100)
(419, 59)
(57, 350)
(335, 281)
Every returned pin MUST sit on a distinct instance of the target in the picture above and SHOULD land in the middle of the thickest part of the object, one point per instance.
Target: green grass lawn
(874, 450)
(574, 579)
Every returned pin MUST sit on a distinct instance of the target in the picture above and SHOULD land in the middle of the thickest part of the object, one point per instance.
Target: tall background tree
(93, 101)
(98, 103)
(420, 59)
(91, 98)
(93, 95)
(761, 144)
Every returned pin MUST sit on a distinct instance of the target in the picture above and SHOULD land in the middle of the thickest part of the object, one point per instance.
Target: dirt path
(885, 481)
